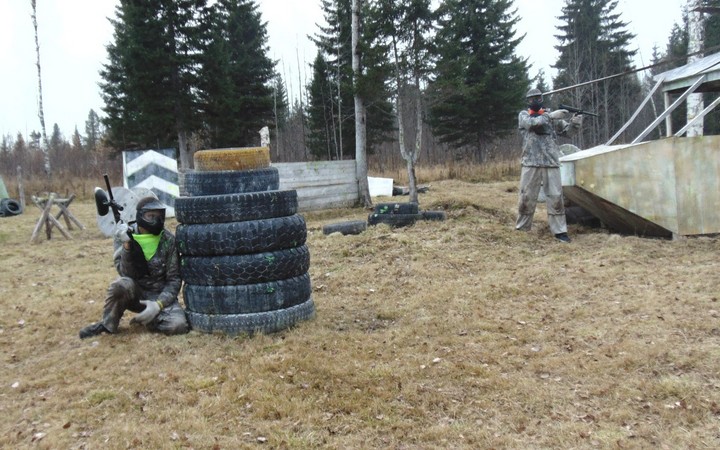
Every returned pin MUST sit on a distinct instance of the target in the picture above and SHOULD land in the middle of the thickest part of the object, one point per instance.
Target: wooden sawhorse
(49, 220)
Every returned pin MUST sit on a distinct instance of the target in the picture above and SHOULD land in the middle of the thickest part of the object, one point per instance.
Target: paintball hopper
(102, 202)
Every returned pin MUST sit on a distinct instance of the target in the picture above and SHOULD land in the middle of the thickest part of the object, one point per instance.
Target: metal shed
(666, 188)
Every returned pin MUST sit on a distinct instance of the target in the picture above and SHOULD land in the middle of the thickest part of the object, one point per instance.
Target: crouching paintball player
(149, 282)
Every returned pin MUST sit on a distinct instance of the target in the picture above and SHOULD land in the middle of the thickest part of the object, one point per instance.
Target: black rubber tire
(433, 215)
(237, 238)
(394, 220)
(245, 269)
(235, 207)
(10, 207)
(349, 227)
(247, 298)
(397, 208)
(196, 183)
(263, 322)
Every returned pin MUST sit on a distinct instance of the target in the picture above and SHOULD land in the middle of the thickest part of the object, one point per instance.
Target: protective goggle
(153, 215)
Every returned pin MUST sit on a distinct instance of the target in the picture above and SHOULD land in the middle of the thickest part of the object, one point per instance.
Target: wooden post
(21, 191)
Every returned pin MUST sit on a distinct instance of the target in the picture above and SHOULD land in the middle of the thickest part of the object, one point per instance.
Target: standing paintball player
(147, 261)
(541, 162)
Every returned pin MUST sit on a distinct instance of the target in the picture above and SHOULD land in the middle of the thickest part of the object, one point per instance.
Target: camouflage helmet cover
(534, 92)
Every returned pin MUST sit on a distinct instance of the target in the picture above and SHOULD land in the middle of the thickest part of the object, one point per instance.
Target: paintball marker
(576, 110)
(104, 201)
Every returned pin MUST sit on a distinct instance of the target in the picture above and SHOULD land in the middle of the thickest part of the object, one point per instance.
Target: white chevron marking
(153, 181)
(150, 157)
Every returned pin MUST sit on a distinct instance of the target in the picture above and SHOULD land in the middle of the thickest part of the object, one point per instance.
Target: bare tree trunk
(411, 156)
(277, 125)
(302, 114)
(41, 113)
(21, 190)
(183, 150)
(361, 167)
(339, 92)
(695, 102)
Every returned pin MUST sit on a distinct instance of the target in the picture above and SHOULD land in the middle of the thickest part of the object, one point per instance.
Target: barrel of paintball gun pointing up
(572, 109)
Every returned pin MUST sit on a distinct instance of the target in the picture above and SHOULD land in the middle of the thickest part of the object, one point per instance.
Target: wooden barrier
(47, 218)
(321, 184)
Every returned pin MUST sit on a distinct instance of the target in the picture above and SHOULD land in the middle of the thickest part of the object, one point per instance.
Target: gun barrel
(112, 204)
(577, 110)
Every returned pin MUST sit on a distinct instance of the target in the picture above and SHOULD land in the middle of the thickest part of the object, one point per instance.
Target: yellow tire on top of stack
(241, 158)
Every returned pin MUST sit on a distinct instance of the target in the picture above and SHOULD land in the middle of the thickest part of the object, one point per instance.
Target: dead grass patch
(455, 334)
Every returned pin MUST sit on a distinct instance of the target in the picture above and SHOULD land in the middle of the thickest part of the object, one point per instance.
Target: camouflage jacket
(539, 134)
(161, 280)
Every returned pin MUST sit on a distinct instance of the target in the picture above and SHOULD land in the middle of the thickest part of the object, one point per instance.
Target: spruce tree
(480, 82)
(92, 131)
(150, 74)
(236, 78)
(322, 112)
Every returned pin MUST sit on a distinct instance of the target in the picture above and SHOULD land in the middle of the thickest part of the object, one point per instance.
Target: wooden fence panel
(320, 184)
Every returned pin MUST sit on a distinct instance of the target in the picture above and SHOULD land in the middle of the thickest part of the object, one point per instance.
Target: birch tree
(41, 112)
(407, 25)
(361, 167)
(696, 38)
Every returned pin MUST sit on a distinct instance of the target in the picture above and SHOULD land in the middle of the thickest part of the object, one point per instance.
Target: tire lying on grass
(235, 238)
(394, 220)
(243, 158)
(9, 207)
(262, 322)
(397, 208)
(433, 215)
(196, 183)
(247, 298)
(236, 207)
(245, 269)
(348, 227)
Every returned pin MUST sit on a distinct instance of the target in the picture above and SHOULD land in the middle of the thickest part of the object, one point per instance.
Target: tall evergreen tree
(322, 112)
(594, 44)
(281, 108)
(56, 142)
(92, 131)
(237, 75)
(150, 74)
(480, 82)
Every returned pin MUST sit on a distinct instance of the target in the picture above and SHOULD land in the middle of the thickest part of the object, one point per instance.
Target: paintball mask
(534, 99)
(150, 215)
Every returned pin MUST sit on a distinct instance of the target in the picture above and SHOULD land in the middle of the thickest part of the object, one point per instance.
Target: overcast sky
(74, 33)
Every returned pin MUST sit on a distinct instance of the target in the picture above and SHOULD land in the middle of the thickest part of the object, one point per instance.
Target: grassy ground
(455, 334)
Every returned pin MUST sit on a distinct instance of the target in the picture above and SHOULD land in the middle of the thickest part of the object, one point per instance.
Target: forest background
(197, 75)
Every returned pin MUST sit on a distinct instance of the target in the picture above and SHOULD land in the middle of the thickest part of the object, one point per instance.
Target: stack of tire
(243, 257)
(401, 214)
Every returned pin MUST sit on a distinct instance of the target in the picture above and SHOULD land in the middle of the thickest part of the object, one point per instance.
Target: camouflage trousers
(531, 180)
(125, 294)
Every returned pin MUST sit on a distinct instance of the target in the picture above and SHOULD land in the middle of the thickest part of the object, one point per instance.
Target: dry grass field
(463, 334)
